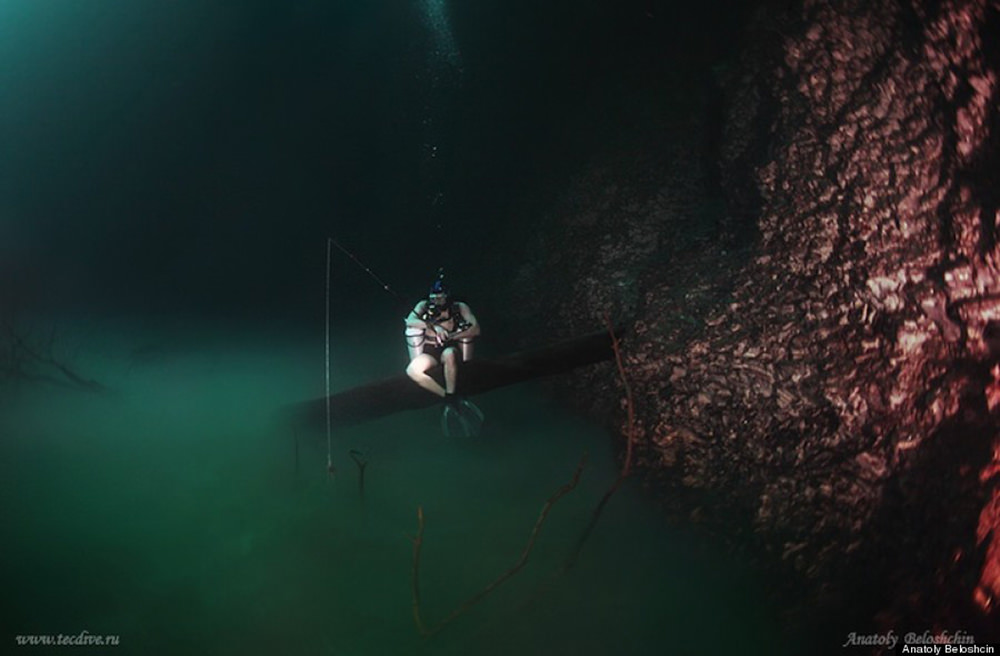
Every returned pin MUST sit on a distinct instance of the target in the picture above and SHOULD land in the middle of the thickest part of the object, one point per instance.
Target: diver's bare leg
(417, 371)
(450, 360)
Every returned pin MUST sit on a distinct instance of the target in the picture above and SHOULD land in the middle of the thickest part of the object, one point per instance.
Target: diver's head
(439, 290)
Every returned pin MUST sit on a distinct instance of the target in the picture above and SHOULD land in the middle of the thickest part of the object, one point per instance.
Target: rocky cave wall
(833, 386)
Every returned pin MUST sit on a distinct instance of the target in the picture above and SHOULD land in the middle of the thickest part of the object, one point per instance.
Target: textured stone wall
(836, 389)
(866, 415)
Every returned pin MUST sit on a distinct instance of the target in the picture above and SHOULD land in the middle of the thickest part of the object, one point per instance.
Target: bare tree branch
(25, 357)
(482, 594)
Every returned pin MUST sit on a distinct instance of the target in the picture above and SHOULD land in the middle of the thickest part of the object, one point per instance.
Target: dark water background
(170, 174)
(191, 157)
(171, 513)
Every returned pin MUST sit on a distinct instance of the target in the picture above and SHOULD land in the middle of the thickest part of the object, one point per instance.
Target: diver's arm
(467, 336)
(413, 319)
(415, 325)
(417, 329)
(472, 330)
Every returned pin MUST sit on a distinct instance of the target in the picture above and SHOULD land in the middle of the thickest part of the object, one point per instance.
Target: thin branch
(359, 460)
(23, 354)
(295, 433)
(479, 596)
(626, 465)
(629, 405)
(418, 542)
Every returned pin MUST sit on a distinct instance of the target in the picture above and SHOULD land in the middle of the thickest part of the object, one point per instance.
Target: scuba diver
(440, 330)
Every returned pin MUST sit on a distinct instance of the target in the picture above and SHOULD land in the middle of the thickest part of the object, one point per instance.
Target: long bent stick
(626, 466)
(479, 596)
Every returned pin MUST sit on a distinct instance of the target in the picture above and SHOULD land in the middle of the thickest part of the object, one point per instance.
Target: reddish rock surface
(833, 389)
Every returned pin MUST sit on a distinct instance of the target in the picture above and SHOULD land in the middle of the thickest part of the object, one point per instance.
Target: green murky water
(170, 513)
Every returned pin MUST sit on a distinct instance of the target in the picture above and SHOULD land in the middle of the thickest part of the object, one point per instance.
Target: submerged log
(399, 393)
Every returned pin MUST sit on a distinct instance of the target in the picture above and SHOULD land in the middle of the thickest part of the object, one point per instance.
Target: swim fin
(461, 418)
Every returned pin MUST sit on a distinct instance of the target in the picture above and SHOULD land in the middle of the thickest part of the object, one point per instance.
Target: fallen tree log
(399, 393)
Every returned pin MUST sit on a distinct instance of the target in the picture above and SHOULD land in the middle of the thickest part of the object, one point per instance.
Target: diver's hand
(440, 335)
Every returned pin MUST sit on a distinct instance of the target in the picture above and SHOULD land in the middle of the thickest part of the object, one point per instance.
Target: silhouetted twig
(626, 465)
(359, 460)
(418, 541)
(295, 433)
(25, 358)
